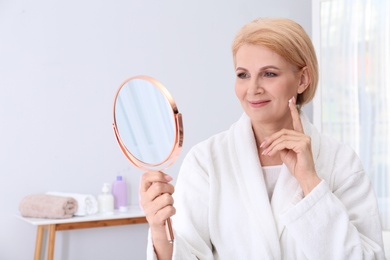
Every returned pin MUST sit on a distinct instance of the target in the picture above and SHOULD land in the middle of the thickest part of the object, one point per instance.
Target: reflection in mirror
(145, 121)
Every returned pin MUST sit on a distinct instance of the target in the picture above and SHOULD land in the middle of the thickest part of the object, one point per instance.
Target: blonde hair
(288, 39)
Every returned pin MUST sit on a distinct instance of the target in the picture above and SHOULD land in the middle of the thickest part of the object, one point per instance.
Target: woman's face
(265, 82)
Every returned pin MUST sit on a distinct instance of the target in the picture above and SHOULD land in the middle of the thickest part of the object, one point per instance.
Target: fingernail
(262, 144)
(168, 177)
(291, 101)
(264, 152)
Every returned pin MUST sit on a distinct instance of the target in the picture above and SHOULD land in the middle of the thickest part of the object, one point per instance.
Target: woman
(270, 187)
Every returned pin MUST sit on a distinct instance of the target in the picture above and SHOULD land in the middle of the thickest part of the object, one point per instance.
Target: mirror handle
(169, 230)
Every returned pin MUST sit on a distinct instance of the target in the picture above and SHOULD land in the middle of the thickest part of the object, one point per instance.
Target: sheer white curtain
(354, 103)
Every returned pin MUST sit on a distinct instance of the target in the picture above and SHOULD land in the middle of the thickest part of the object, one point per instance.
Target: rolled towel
(87, 204)
(47, 206)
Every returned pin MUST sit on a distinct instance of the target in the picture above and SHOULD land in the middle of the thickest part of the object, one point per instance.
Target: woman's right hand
(157, 202)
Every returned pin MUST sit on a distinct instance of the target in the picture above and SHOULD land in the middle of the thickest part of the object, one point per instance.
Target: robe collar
(250, 180)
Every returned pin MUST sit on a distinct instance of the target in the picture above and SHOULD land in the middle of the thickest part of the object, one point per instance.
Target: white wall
(61, 63)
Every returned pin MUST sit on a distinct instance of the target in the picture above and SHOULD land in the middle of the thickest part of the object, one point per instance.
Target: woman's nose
(255, 87)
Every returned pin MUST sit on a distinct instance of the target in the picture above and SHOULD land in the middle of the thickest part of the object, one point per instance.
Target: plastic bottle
(106, 200)
(119, 190)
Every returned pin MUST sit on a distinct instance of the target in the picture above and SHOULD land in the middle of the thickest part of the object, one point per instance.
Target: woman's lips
(259, 103)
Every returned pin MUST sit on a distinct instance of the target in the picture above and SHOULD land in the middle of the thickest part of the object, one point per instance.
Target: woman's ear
(304, 80)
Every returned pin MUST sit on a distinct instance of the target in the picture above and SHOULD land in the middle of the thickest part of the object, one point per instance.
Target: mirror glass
(147, 123)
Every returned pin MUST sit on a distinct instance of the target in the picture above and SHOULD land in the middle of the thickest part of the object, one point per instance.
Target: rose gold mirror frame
(178, 140)
(176, 148)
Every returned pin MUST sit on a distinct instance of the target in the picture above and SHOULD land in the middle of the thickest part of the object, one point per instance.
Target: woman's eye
(242, 75)
(269, 74)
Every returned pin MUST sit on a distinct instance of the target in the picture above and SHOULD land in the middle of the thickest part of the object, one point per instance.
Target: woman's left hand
(294, 148)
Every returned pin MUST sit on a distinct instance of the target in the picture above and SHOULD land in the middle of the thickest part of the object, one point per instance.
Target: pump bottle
(106, 200)
(119, 191)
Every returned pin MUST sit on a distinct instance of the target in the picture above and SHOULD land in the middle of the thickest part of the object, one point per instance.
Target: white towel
(87, 203)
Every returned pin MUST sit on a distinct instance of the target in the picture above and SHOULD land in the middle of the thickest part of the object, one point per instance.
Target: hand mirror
(148, 126)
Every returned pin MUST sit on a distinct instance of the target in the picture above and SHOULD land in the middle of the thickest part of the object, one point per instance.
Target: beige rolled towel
(47, 206)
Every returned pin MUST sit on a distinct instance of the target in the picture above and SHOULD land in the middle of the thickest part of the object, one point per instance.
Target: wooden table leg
(38, 243)
(52, 237)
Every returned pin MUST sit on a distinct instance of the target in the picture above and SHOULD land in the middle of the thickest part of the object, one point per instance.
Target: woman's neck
(261, 132)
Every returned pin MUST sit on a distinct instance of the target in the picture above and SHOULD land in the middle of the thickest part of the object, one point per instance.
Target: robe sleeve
(190, 224)
(342, 223)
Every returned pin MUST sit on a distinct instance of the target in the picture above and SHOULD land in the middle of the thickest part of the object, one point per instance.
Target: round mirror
(147, 124)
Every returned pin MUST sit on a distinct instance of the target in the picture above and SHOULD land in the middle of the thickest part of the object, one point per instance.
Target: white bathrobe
(223, 210)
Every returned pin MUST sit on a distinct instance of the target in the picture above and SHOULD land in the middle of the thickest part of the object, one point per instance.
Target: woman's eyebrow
(262, 68)
(270, 67)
